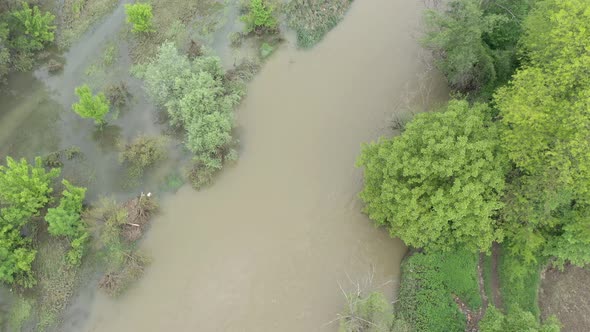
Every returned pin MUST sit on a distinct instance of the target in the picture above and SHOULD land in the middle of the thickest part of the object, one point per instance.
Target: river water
(267, 246)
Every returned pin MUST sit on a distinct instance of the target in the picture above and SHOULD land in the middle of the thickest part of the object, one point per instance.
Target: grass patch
(176, 21)
(519, 284)
(312, 20)
(110, 54)
(427, 287)
(20, 312)
(78, 16)
(57, 281)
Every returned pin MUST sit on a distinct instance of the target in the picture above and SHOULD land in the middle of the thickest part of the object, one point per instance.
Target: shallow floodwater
(266, 247)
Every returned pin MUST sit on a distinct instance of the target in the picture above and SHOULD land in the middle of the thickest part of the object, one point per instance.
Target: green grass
(427, 287)
(312, 20)
(57, 281)
(519, 284)
(110, 54)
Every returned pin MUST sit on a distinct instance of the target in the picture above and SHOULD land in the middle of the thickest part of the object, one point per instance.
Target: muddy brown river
(267, 247)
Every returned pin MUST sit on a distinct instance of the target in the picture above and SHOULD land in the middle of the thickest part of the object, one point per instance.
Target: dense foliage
(474, 42)
(65, 220)
(198, 100)
(90, 106)
(24, 190)
(140, 16)
(439, 184)
(546, 118)
(517, 320)
(260, 17)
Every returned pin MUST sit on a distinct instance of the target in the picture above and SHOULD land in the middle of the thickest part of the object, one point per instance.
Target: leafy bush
(516, 320)
(439, 184)
(260, 17)
(197, 100)
(140, 15)
(428, 281)
(89, 106)
(65, 220)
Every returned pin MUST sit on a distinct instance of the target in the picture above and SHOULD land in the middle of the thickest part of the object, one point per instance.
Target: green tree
(32, 28)
(545, 116)
(65, 220)
(199, 101)
(90, 106)
(260, 17)
(140, 15)
(16, 253)
(24, 186)
(455, 37)
(4, 51)
(438, 185)
(142, 153)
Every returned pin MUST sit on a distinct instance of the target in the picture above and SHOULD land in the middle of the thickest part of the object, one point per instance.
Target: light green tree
(140, 16)
(25, 186)
(546, 125)
(438, 185)
(90, 106)
(24, 191)
(33, 29)
(16, 252)
(260, 17)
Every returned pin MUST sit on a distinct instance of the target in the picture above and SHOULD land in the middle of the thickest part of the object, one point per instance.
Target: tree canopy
(545, 112)
(90, 106)
(197, 100)
(438, 185)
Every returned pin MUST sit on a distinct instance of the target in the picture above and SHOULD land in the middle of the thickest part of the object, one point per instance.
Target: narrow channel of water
(265, 248)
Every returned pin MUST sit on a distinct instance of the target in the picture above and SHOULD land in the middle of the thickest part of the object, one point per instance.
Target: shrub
(260, 17)
(142, 153)
(89, 106)
(65, 220)
(140, 15)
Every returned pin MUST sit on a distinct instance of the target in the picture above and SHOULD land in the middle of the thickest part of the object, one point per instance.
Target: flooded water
(266, 247)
